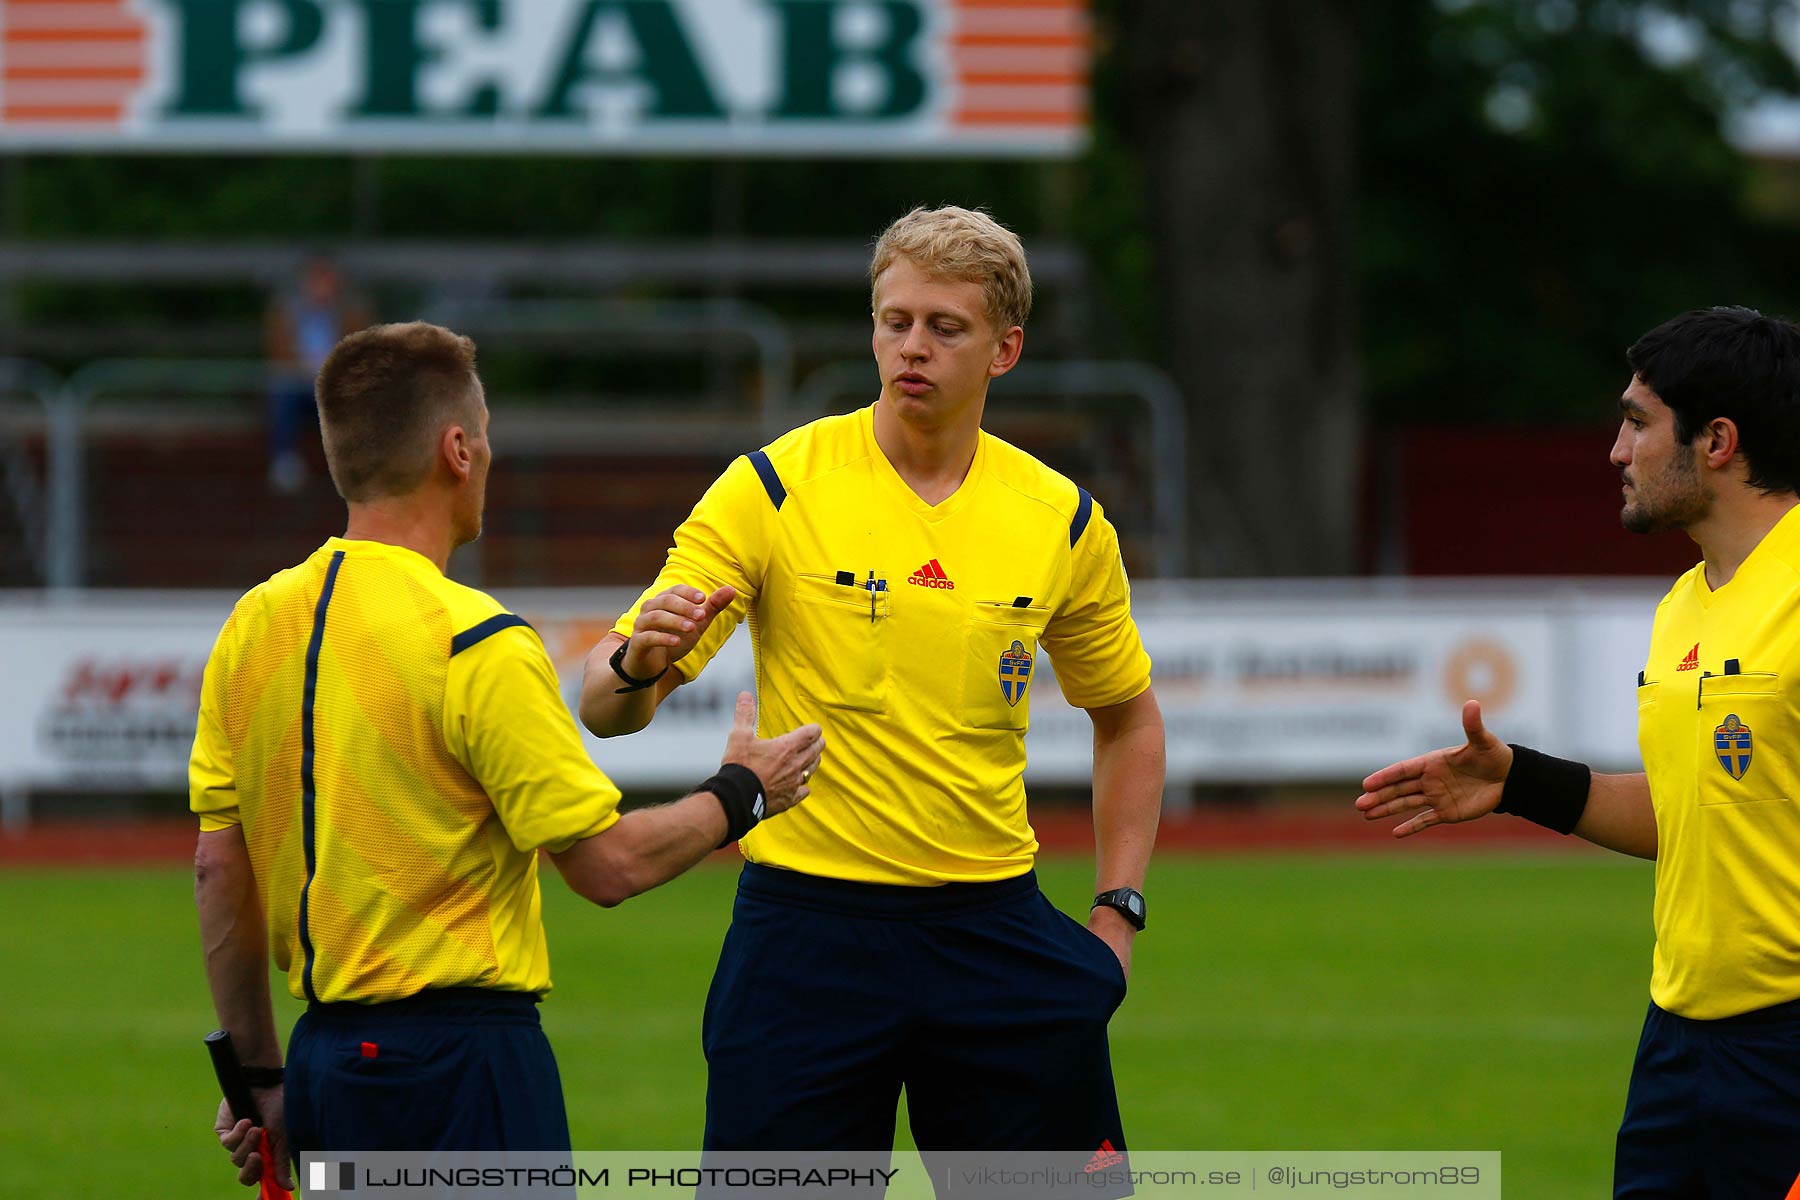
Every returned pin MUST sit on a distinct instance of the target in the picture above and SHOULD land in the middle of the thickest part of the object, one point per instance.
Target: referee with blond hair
(906, 575)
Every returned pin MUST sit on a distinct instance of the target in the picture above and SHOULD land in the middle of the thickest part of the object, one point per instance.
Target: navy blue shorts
(982, 999)
(458, 1069)
(1714, 1109)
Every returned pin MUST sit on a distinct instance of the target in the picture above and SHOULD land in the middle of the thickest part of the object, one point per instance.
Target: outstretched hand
(783, 764)
(1444, 787)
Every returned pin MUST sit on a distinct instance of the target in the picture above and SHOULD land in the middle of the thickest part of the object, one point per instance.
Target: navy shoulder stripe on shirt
(771, 482)
(485, 630)
(1084, 512)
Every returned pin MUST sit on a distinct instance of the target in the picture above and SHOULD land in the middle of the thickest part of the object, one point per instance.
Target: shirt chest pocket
(1001, 661)
(1747, 731)
(843, 636)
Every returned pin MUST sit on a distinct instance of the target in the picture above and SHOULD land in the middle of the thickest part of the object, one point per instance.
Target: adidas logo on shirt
(1104, 1157)
(931, 575)
(1692, 661)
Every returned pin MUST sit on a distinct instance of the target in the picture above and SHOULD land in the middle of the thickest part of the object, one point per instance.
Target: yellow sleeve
(725, 540)
(212, 778)
(1092, 640)
(506, 723)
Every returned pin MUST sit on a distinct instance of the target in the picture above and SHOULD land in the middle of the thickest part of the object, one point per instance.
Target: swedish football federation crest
(1731, 742)
(1015, 672)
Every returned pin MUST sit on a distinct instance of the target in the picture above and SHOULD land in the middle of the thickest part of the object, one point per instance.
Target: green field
(1412, 1002)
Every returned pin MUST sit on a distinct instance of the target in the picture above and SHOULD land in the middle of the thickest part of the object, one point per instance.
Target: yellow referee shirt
(915, 634)
(396, 749)
(1720, 736)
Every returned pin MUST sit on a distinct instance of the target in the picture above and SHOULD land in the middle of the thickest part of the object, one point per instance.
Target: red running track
(1309, 829)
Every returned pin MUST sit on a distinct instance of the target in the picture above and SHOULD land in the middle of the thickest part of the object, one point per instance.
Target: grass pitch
(1386, 1002)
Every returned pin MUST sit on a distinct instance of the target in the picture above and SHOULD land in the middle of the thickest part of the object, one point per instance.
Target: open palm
(1444, 787)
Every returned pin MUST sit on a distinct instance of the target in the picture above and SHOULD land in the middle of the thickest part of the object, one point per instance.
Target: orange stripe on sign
(18, 73)
(1794, 1192)
(1017, 40)
(1023, 79)
(120, 34)
(988, 116)
(62, 112)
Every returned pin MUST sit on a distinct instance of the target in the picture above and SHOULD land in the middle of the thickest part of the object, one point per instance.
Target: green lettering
(213, 56)
(666, 62)
(812, 56)
(395, 56)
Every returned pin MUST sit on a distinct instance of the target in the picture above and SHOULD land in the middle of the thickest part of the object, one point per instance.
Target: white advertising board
(1259, 683)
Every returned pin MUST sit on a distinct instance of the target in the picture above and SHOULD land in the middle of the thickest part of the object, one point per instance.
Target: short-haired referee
(381, 753)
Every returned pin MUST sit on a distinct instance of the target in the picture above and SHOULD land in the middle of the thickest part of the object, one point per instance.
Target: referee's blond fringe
(966, 245)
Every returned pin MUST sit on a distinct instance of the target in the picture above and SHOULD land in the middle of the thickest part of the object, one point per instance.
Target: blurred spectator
(302, 326)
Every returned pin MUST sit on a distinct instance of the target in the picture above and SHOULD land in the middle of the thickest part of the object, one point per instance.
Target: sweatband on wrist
(1548, 791)
(740, 794)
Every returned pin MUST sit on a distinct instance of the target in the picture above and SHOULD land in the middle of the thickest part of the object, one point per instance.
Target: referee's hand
(783, 764)
(1458, 783)
(246, 1150)
(670, 624)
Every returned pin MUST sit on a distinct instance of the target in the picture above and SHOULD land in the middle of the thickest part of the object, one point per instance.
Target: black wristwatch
(264, 1077)
(1128, 902)
(632, 684)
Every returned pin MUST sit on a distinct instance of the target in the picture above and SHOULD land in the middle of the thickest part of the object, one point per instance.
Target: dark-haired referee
(381, 754)
(1710, 445)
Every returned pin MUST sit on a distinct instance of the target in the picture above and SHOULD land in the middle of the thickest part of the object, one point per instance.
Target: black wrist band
(740, 794)
(632, 684)
(1551, 792)
(263, 1077)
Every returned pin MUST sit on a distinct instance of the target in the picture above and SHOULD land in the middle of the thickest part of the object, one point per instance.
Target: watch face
(1135, 903)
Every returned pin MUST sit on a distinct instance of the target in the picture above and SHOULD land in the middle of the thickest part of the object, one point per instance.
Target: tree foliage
(1544, 180)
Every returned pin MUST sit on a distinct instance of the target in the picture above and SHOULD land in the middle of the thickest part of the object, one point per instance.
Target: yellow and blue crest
(1015, 672)
(1731, 742)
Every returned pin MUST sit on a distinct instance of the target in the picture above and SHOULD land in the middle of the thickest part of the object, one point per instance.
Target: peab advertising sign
(850, 77)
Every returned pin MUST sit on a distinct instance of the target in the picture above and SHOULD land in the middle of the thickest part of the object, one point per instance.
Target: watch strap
(264, 1077)
(632, 682)
(1127, 902)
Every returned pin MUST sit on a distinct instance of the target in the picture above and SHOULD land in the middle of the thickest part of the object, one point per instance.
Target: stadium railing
(28, 393)
(154, 467)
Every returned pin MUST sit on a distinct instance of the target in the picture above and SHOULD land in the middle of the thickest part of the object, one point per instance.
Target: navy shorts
(983, 1000)
(1714, 1109)
(458, 1069)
